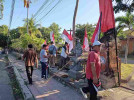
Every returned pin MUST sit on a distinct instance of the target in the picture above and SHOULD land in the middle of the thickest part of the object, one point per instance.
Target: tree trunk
(74, 20)
(126, 52)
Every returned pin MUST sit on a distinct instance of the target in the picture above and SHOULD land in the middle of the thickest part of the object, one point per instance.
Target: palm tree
(125, 22)
(32, 27)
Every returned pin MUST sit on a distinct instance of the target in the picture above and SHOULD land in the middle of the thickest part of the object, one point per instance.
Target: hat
(96, 43)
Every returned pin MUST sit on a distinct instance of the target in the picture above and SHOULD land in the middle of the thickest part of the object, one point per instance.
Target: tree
(125, 22)
(56, 29)
(124, 5)
(32, 27)
(24, 40)
(45, 33)
(3, 35)
(1, 8)
(4, 29)
(80, 31)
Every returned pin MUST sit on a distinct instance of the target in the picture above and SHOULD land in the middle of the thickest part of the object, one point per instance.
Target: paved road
(129, 61)
(6, 92)
(43, 90)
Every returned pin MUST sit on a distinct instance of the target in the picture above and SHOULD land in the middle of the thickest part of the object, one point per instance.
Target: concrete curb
(25, 90)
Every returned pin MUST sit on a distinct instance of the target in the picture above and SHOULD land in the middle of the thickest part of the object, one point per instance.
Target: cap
(96, 43)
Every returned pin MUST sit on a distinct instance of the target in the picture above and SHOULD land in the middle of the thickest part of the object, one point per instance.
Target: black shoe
(30, 83)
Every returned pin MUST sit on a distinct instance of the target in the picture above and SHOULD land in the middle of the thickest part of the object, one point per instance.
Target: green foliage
(124, 5)
(46, 32)
(80, 31)
(4, 29)
(1, 8)
(125, 22)
(3, 35)
(32, 27)
(26, 39)
(3, 40)
(56, 29)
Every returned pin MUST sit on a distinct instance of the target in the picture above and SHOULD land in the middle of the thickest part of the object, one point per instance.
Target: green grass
(126, 70)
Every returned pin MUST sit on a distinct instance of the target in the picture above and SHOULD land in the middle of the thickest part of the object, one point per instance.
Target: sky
(62, 14)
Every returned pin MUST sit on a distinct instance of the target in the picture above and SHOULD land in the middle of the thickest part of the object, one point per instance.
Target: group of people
(47, 58)
(93, 67)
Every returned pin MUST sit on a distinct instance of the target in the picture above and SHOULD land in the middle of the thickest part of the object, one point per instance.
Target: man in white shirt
(43, 61)
(64, 54)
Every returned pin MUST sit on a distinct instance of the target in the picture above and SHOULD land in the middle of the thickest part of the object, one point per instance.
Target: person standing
(43, 61)
(52, 54)
(30, 58)
(64, 53)
(93, 69)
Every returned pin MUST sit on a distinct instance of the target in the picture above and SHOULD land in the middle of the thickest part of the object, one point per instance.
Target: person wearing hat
(93, 69)
(43, 61)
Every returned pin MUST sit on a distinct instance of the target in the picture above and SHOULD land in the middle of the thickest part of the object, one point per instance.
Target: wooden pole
(117, 57)
(74, 20)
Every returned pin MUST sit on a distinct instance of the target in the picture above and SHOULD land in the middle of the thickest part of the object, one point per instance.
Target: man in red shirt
(93, 69)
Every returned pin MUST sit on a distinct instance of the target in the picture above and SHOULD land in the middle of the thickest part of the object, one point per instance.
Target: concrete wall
(123, 46)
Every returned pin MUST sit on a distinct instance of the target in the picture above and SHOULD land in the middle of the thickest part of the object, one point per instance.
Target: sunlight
(47, 94)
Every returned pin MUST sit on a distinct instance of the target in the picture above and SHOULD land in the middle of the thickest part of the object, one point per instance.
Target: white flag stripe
(51, 35)
(97, 35)
(86, 44)
(66, 39)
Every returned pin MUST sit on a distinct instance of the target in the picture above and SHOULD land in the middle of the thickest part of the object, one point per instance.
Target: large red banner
(108, 21)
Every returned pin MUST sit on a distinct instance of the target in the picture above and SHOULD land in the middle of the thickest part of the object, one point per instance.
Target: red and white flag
(108, 20)
(45, 42)
(97, 31)
(67, 38)
(52, 37)
(85, 42)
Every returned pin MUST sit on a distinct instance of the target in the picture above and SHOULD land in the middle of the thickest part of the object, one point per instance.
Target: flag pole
(117, 56)
(100, 24)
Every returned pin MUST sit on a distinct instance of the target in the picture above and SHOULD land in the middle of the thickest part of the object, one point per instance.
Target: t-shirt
(63, 52)
(93, 57)
(53, 48)
(42, 54)
(30, 56)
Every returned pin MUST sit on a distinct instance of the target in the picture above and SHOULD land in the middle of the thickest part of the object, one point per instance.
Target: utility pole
(74, 20)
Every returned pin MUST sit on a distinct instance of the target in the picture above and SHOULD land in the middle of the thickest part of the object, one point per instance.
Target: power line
(44, 9)
(49, 11)
(46, 1)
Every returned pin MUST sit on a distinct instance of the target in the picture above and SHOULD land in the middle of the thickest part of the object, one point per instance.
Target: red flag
(52, 37)
(68, 38)
(45, 42)
(108, 21)
(85, 42)
(97, 31)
